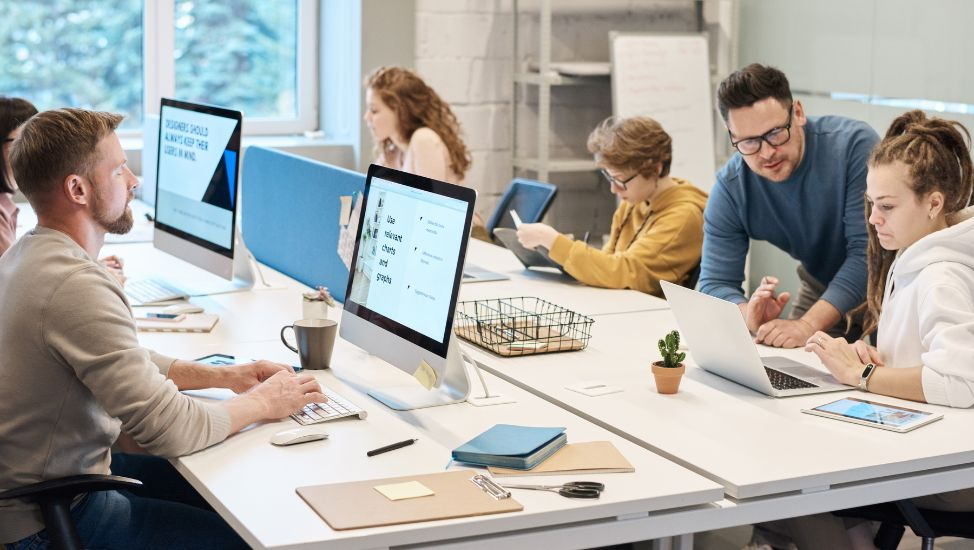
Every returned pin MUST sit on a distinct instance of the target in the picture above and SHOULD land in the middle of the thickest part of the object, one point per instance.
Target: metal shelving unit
(545, 78)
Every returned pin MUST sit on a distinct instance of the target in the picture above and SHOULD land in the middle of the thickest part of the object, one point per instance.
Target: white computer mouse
(297, 435)
(187, 307)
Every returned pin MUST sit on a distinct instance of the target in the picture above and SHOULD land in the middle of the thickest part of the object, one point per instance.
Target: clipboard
(357, 504)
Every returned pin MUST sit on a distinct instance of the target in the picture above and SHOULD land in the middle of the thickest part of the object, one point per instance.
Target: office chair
(529, 198)
(927, 524)
(54, 496)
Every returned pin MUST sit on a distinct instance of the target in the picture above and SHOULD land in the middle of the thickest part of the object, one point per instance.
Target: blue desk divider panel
(290, 215)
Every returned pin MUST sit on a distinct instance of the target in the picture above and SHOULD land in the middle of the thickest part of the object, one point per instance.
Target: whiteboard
(667, 77)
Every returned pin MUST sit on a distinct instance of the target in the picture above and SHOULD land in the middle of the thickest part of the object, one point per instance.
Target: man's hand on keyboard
(274, 398)
(286, 392)
(247, 375)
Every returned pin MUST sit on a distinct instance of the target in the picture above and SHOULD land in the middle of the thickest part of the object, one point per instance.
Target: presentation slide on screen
(408, 256)
(197, 174)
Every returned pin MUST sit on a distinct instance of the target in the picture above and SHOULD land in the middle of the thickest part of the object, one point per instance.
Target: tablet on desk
(878, 415)
(220, 359)
(217, 359)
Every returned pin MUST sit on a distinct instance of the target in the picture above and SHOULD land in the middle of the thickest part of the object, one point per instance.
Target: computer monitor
(404, 280)
(197, 186)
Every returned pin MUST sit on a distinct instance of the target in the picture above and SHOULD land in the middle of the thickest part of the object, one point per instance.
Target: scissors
(572, 489)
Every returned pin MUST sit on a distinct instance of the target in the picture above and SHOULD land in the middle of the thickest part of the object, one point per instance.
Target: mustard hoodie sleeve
(668, 248)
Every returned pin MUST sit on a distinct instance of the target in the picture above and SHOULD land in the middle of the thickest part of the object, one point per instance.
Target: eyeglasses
(775, 137)
(616, 181)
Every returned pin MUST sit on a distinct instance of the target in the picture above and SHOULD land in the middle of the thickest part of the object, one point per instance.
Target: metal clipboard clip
(488, 486)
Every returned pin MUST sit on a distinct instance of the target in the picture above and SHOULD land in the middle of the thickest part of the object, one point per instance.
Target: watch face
(864, 377)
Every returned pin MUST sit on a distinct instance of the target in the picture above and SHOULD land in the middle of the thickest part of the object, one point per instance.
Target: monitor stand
(454, 389)
(199, 282)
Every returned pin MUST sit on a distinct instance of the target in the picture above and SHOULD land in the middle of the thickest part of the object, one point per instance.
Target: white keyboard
(336, 407)
(151, 291)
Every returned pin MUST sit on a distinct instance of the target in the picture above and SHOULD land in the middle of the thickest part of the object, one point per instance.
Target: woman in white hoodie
(920, 293)
(921, 269)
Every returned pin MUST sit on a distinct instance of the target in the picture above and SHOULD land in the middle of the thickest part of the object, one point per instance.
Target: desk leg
(679, 542)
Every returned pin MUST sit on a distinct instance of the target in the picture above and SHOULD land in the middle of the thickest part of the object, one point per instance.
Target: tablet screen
(217, 359)
(878, 414)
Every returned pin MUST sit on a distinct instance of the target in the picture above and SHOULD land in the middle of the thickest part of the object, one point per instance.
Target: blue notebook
(509, 446)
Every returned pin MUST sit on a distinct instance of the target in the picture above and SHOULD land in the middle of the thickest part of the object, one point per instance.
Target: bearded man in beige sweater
(73, 375)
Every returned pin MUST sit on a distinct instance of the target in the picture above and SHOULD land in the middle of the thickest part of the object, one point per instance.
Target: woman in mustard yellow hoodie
(657, 231)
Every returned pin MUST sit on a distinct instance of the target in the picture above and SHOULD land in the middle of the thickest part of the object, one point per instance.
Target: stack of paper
(508, 446)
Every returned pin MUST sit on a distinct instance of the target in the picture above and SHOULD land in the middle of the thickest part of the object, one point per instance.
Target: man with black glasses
(797, 183)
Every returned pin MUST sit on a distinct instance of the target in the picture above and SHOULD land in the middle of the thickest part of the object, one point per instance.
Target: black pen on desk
(392, 447)
(149, 217)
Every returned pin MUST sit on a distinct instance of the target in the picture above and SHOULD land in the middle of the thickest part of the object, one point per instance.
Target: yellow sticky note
(425, 375)
(400, 491)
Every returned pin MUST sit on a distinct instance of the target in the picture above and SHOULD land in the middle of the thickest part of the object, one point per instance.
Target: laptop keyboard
(150, 291)
(336, 407)
(782, 381)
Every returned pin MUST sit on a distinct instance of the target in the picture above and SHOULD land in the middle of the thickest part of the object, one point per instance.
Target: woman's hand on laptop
(867, 353)
(841, 358)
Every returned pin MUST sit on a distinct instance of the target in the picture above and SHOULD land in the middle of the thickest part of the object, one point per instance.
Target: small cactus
(669, 347)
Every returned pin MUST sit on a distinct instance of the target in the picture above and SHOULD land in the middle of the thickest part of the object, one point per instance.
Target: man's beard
(118, 226)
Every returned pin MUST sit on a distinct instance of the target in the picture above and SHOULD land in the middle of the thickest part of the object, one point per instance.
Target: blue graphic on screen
(196, 174)
(407, 256)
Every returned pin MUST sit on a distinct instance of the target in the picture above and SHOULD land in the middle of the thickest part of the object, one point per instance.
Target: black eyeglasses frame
(763, 138)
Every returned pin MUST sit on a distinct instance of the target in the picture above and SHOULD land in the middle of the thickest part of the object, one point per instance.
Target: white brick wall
(464, 49)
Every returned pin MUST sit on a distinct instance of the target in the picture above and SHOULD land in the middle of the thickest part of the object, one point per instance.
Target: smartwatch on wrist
(865, 376)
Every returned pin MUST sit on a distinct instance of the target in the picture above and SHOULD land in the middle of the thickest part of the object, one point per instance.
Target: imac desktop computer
(196, 203)
(404, 281)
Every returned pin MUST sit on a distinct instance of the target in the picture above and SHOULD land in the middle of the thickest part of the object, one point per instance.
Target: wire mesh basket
(521, 326)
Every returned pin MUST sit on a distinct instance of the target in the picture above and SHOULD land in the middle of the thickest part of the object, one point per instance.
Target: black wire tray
(521, 326)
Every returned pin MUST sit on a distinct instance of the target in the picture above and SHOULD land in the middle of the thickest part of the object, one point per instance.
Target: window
(252, 55)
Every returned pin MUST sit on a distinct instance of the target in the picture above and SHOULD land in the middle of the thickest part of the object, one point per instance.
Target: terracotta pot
(667, 379)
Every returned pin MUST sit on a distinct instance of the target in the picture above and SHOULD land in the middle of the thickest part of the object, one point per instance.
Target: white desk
(770, 460)
(251, 483)
(278, 518)
(762, 450)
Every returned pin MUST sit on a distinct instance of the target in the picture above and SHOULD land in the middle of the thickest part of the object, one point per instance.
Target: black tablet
(530, 258)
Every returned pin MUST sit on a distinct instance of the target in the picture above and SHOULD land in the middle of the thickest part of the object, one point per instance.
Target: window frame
(159, 78)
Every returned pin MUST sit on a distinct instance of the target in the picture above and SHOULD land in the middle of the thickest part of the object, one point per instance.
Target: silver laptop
(476, 274)
(720, 343)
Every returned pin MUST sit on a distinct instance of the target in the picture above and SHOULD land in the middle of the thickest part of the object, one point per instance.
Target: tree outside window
(239, 54)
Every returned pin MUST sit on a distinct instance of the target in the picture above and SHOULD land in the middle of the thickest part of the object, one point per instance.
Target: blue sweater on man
(816, 215)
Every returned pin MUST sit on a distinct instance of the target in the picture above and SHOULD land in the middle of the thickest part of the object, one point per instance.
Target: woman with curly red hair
(414, 130)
